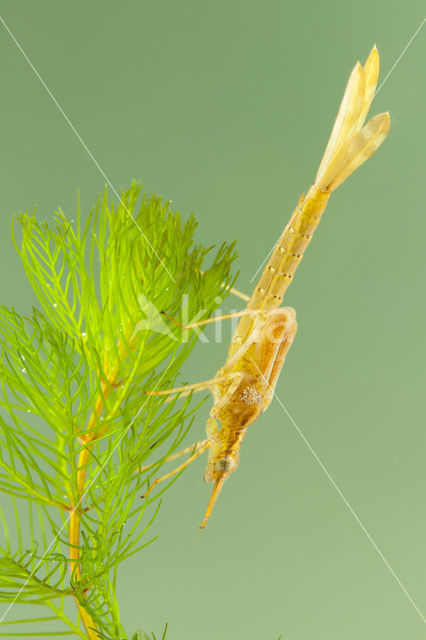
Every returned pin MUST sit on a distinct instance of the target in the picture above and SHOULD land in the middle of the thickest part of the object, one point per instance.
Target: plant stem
(88, 623)
(75, 521)
(60, 614)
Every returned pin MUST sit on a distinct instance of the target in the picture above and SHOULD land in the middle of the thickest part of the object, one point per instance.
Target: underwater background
(225, 109)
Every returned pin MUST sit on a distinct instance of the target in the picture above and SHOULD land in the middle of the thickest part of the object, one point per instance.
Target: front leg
(206, 444)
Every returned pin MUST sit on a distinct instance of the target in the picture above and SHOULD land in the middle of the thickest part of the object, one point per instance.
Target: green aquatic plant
(75, 425)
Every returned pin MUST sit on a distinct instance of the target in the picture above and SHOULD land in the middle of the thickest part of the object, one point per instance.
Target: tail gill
(351, 142)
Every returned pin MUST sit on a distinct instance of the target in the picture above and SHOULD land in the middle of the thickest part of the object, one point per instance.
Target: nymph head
(218, 471)
(222, 461)
(226, 464)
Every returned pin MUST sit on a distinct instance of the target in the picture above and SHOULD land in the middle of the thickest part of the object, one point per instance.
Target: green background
(225, 108)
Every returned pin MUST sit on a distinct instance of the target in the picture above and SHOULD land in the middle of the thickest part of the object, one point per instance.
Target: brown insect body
(250, 377)
(243, 388)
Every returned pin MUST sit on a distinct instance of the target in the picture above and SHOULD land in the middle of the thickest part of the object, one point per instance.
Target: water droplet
(28, 411)
(83, 334)
(54, 304)
(24, 370)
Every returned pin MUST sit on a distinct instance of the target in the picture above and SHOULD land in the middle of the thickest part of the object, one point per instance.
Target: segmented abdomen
(285, 258)
(289, 250)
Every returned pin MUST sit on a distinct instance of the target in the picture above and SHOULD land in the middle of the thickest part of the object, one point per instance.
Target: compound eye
(223, 464)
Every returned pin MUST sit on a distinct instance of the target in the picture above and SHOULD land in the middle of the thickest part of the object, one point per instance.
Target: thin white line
(394, 575)
(81, 498)
(80, 139)
(398, 59)
(350, 132)
(259, 268)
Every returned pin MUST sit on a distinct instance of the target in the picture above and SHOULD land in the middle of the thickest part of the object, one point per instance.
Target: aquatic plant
(76, 427)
